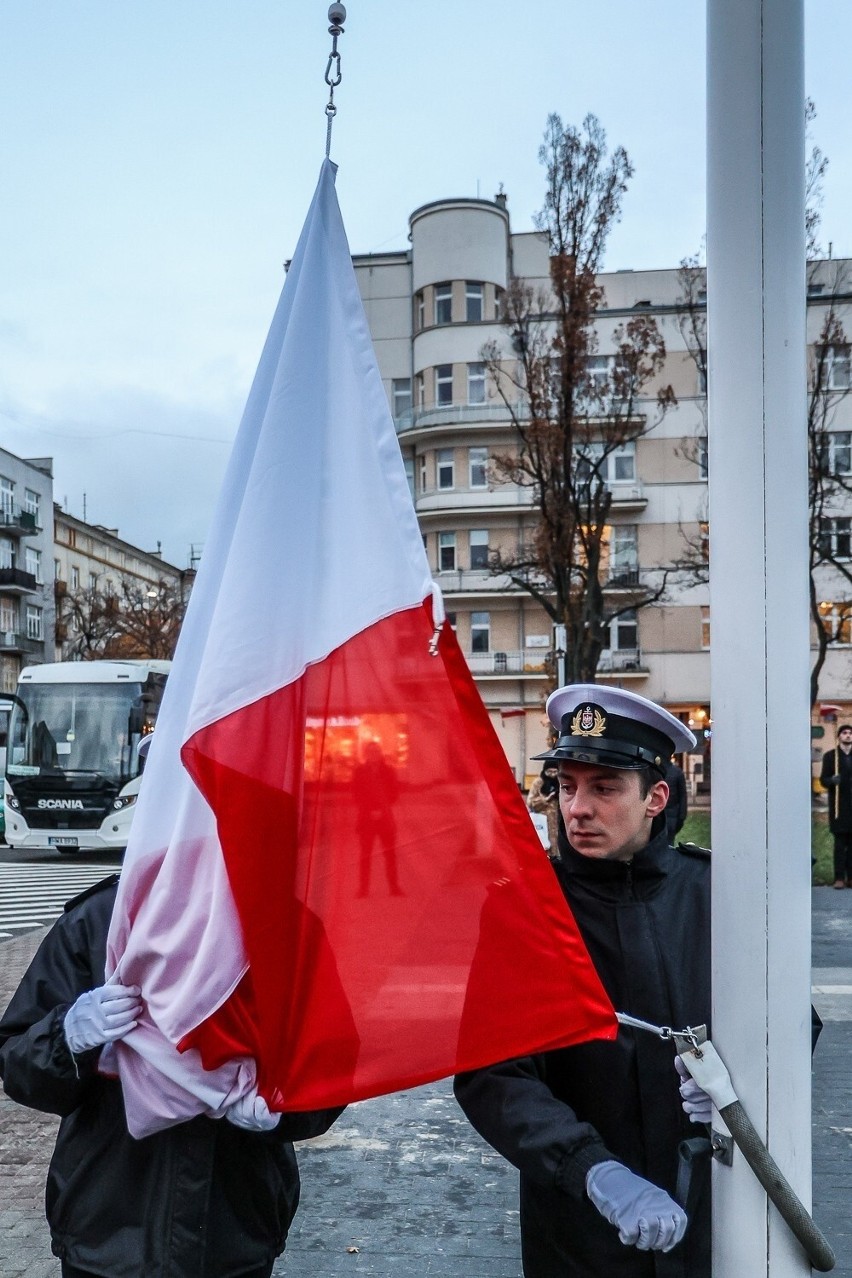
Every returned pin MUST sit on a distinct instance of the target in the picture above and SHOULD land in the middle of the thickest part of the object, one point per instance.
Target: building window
(617, 466)
(422, 472)
(443, 303)
(498, 302)
(93, 581)
(835, 452)
(480, 632)
(624, 631)
(837, 367)
(57, 570)
(701, 457)
(836, 621)
(622, 463)
(443, 384)
(7, 552)
(9, 669)
(7, 496)
(419, 312)
(835, 538)
(32, 562)
(446, 468)
(75, 578)
(409, 474)
(597, 372)
(479, 548)
(401, 395)
(446, 552)
(705, 626)
(8, 616)
(421, 391)
(473, 302)
(32, 505)
(477, 462)
(476, 383)
(623, 555)
(34, 630)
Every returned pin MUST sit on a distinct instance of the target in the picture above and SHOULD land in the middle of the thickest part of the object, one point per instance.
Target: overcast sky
(157, 162)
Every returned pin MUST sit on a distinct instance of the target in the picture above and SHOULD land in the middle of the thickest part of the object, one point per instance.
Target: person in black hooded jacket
(595, 1129)
(204, 1199)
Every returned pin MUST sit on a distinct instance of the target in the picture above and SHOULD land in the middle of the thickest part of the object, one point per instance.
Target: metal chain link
(333, 73)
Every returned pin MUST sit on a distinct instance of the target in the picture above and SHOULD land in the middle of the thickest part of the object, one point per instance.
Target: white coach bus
(72, 761)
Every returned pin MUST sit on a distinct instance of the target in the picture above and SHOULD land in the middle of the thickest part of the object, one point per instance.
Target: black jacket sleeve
(36, 1064)
(827, 774)
(513, 1108)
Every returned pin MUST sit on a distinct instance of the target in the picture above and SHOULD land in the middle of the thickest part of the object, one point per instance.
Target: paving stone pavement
(402, 1185)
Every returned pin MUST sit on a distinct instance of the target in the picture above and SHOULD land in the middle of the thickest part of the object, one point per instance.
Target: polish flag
(333, 888)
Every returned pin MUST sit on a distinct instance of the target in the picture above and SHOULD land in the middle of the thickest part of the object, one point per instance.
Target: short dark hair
(648, 777)
(844, 727)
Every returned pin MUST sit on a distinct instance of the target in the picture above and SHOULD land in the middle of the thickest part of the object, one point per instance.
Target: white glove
(101, 1016)
(695, 1101)
(251, 1113)
(644, 1215)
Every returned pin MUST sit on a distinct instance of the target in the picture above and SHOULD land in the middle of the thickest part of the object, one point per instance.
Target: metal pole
(759, 611)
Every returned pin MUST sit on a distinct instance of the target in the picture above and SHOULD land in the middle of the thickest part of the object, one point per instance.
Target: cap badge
(588, 722)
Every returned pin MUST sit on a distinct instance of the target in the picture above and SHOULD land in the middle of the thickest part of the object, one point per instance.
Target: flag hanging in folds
(333, 888)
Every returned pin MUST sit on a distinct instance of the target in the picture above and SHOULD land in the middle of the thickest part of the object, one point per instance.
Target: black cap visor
(606, 753)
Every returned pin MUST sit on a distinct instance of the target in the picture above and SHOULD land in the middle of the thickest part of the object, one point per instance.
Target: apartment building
(432, 309)
(91, 558)
(26, 590)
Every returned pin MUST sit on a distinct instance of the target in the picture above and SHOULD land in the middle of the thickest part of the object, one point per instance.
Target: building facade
(91, 561)
(432, 309)
(26, 587)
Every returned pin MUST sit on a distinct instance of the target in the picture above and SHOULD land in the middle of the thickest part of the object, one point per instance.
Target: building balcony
(474, 581)
(12, 641)
(20, 523)
(525, 662)
(622, 662)
(437, 501)
(450, 415)
(623, 579)
(14, 581)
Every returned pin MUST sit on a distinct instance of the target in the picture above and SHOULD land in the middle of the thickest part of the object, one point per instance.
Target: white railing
(525, 661)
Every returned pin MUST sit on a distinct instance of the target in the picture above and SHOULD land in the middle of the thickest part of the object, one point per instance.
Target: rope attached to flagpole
(333, 75)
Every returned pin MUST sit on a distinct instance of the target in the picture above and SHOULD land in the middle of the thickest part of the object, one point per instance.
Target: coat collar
(649, 863)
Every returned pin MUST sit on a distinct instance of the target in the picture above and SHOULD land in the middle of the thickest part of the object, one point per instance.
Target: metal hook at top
(333, 74)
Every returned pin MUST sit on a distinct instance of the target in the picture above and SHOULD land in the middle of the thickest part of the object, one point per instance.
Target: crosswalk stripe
(35, 895)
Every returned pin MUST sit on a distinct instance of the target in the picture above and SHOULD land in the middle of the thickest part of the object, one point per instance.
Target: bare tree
(571, 409)
(127, 619)
(829, 454)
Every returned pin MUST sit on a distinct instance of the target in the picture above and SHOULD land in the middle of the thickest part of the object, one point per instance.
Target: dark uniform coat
(836, 776)
(647, 927)
(204, 1199)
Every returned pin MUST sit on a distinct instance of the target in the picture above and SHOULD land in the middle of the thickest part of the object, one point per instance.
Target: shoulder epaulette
(108, 882)
(694, 849)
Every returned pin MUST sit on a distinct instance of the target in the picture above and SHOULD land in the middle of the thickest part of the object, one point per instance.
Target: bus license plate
(59, 841)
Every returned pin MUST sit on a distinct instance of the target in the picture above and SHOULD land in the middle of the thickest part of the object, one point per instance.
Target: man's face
(604, 811)
(845, 737)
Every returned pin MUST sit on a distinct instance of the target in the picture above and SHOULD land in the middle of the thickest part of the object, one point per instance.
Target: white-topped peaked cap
(618, 729)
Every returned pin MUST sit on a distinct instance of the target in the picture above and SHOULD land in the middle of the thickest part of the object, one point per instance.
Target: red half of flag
(400, 919)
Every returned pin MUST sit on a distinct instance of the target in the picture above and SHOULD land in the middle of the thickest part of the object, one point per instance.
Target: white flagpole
(759, 611)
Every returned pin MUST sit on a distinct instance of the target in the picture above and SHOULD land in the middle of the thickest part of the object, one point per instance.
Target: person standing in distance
(836, 776)
(594, 1129)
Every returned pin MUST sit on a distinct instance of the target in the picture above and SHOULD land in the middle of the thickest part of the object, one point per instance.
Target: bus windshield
(78, 729)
